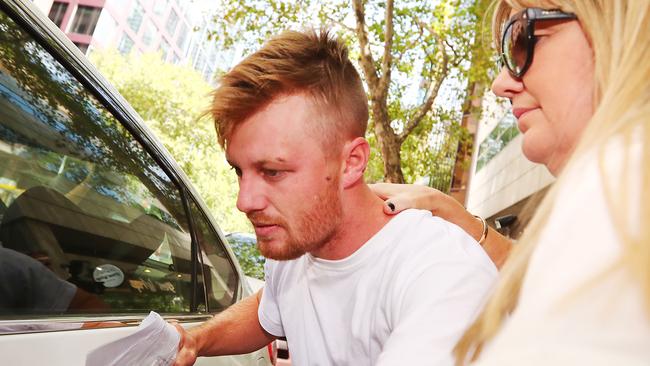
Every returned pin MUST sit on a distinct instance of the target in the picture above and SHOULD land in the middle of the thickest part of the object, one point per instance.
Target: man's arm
(236, 330)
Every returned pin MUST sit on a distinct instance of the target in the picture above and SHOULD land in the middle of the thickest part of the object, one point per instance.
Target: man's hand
(187, 347)
(234, 331)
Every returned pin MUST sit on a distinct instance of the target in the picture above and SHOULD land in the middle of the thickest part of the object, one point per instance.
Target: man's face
(288, 187)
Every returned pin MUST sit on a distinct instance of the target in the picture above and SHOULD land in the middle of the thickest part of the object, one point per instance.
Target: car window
(221, 279)
(89, 222)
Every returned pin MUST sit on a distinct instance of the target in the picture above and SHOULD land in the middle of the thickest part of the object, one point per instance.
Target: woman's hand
(399, 197)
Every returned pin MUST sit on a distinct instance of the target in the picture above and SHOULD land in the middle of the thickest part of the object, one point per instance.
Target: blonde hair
(619, 33)
(311, 63)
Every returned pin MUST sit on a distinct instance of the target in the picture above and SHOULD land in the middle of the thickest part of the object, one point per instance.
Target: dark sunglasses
(518, 40)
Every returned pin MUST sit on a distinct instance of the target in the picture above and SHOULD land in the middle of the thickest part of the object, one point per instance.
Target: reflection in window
(181, 38)
(172, 22)
(135, 18)
(160, 6)
(81, 201)
(221, 278)
(85, 19)
(164, 49)
(125, 45)
(501, 135)
(150, 32)
(57, 11)
(175, 58)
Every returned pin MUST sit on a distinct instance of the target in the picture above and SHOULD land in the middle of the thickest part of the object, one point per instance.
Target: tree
(415, 57)
(171, 99)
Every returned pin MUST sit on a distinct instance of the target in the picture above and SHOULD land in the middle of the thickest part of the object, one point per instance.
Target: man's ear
(355, 157)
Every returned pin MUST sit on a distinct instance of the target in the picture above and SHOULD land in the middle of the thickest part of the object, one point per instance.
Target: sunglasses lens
(515, 46)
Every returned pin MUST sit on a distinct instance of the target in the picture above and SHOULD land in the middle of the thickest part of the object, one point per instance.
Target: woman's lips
(518, 112)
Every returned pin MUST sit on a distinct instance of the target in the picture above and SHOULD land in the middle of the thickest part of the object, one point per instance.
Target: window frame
(51, 39)
(88, 10)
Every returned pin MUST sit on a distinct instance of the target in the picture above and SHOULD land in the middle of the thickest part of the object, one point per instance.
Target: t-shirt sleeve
(53, 293)
(269, 311)
(436, 305)
(32, 285)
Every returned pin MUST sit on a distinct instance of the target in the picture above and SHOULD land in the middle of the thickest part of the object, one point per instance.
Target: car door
(98, 226)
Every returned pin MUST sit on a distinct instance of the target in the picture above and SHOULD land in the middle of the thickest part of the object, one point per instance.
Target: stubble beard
(311, 231)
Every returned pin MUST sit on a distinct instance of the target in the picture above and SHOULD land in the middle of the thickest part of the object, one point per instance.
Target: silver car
(98, 224)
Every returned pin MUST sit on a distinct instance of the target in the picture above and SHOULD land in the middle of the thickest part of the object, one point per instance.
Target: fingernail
(391, 205)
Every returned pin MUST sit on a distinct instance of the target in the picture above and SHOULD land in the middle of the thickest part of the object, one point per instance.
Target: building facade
(504, 186)
(141, 26)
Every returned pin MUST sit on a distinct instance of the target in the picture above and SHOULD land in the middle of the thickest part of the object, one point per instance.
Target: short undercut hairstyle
(312, 63)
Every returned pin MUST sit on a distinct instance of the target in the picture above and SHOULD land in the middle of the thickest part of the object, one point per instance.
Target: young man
(345, 284)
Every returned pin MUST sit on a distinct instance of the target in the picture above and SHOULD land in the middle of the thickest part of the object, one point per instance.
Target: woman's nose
(505, 85)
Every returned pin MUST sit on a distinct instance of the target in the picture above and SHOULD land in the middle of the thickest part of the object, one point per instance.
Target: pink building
(127, 25)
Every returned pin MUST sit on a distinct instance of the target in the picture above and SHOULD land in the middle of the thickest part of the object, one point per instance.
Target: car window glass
(89, 222)
(221, 278)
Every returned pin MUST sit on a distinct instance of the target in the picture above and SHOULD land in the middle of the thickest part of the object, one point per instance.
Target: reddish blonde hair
(310, 63)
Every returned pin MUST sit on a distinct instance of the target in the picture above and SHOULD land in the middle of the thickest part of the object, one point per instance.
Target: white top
(577, 307)
(403, 298)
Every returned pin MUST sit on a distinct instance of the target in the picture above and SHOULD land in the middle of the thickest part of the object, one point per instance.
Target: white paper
(154, 343)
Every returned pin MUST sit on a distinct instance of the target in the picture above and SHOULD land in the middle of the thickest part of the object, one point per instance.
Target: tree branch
(387, 60)
(457, 58)
(432, 91)
(366, 60)
(340, 23)
(422, 42)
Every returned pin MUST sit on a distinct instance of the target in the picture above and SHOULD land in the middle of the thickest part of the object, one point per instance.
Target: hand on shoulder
(399, 197)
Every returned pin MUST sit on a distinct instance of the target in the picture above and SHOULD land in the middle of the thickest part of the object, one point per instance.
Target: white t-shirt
(576, 306)
(403, 298)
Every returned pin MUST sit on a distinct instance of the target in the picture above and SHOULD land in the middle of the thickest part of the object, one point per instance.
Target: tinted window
(221, 278)
(89, 222)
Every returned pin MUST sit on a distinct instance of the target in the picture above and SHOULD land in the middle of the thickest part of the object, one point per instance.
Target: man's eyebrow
(261, 162)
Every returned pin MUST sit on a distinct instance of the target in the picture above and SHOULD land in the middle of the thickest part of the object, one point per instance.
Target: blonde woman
(576, 289)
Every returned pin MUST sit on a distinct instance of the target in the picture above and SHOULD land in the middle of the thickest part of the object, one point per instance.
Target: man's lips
(263, 229)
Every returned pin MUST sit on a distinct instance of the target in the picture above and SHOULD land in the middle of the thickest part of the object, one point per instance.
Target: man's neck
(363, 217)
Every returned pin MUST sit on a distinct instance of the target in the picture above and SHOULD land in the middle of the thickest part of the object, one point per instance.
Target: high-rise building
(165, 26)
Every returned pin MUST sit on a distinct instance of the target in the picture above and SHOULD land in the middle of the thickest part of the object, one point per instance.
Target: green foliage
(171, 100)
(250, 258)
(427, 36)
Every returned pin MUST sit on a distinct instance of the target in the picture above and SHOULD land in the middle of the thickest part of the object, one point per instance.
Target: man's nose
(251, 195)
